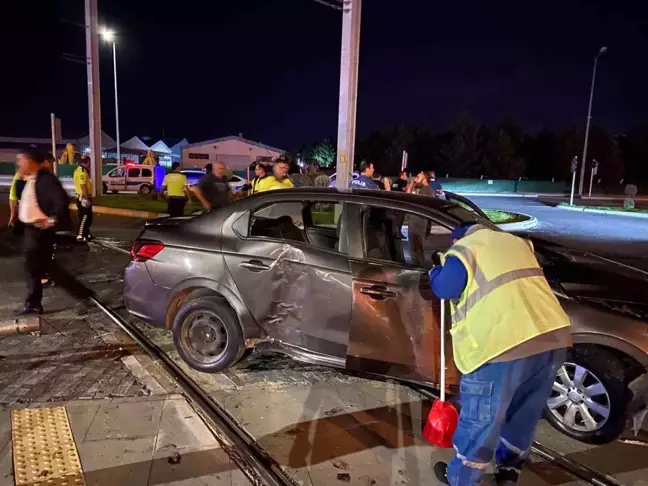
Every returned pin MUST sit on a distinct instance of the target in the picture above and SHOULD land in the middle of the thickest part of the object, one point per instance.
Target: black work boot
(506, 477)
(29, 310)
(441, 472)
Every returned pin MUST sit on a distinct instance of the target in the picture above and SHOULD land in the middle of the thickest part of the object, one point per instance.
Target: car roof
(349, 195)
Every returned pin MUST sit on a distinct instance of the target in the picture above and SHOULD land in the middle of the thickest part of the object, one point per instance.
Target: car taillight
(145, 250)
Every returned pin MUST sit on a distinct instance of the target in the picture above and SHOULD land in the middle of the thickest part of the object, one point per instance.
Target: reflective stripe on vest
(506, 302)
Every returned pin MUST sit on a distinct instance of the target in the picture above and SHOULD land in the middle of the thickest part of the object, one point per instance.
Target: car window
(133, 172)
(311, 222)
(325, 215)
(146, 173)
(402, 237)
(117, 173)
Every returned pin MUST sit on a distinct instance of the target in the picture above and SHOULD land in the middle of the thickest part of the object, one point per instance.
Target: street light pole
(351, 14)
(587, 127)
(116, 104)
(94, 100)
(109, 36)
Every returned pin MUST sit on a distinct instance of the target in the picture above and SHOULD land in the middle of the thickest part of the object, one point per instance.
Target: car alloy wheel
(145, 190)
(205, 336)
(579, 400)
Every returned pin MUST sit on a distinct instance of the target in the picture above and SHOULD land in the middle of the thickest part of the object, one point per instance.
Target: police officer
(509, 337)
(83, 190)
(259, 174)
(175, 185)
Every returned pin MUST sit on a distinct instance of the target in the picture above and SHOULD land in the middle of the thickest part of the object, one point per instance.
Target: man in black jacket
(43, 209)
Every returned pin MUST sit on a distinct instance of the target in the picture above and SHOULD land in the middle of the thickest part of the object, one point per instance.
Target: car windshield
(465, 213)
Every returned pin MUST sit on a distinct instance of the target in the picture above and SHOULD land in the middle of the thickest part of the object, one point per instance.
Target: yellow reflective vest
(81, 178)
(270, 183)
(507, 300)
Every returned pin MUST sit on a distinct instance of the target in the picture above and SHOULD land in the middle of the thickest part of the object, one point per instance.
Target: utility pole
(351, 14)
(581, 183)
(94, 102)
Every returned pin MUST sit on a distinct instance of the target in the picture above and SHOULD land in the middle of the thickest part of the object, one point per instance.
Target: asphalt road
(619, 236)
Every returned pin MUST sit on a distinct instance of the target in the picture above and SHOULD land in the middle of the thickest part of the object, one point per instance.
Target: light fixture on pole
(109, 36)
(581, 183)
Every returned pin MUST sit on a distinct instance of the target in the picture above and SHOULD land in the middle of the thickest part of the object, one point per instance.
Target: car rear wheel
(590, 396)
(207, 334)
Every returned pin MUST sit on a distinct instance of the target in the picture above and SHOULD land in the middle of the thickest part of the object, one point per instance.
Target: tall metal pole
(116, 104)
(351, 14)
(581, 183)
(54, 137)
(94, 101)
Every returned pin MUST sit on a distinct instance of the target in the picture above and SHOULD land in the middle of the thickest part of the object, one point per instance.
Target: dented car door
(297, 292)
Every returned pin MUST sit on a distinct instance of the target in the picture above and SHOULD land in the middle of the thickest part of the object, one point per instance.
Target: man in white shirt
(43, 209)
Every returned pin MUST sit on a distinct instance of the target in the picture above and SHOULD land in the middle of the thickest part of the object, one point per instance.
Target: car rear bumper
(142, 297)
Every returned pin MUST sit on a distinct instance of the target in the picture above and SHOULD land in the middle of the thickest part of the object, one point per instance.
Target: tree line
(502, 151)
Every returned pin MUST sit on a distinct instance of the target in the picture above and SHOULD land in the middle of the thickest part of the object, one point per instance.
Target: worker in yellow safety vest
(280, 179)
(259, 175)
(83, 192)
(175, 185)
(509, 338)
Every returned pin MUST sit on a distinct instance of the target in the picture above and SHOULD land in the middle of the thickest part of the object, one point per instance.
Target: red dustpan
(443, 418)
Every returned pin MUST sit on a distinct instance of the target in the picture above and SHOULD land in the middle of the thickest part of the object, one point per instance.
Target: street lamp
(602, 51)
(109, 36)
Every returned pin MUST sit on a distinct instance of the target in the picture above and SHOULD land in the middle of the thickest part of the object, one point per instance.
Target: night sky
(270, 68)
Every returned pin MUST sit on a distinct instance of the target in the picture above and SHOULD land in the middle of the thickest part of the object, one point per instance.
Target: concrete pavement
(129, 425)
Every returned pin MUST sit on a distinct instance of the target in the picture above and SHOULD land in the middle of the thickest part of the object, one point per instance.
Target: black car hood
(588, 276)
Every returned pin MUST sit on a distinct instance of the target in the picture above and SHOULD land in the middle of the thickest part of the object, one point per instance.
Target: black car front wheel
(590, 396)
(207, 334)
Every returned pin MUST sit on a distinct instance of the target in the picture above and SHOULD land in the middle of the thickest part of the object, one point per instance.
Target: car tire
(114, 192)
(603, 370)
(145, 190)
(104, 187)
(208, 335)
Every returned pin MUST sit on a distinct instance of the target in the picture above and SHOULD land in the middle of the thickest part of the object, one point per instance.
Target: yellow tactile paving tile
(44, 451)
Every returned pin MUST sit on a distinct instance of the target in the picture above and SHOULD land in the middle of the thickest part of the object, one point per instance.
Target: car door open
(395, 316)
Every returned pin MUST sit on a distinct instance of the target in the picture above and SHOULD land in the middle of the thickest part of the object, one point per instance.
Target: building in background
(237, 152)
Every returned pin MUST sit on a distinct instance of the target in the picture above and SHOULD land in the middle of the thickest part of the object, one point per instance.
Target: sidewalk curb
(129, 213)
(530, 223)
(603, 211)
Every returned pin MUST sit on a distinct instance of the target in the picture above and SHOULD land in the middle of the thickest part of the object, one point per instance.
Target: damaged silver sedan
(334, 278)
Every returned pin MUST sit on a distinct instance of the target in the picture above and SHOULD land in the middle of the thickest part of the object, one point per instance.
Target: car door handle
(377, 292)
(254, 266)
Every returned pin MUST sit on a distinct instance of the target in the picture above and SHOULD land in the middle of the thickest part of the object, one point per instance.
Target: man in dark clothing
(417, 228)
(213, 188)
(400, 184)
(43, 210)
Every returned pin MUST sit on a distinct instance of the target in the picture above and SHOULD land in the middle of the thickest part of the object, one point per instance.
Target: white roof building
(237, 152)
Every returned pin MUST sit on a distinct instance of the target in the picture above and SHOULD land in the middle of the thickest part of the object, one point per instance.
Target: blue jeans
(501, 404)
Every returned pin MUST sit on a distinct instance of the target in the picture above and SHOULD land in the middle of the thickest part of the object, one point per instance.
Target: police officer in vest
(509, 337)
(175, 185)
(83, 190)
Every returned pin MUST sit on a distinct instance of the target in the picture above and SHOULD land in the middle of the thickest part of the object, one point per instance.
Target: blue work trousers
(501, 404)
